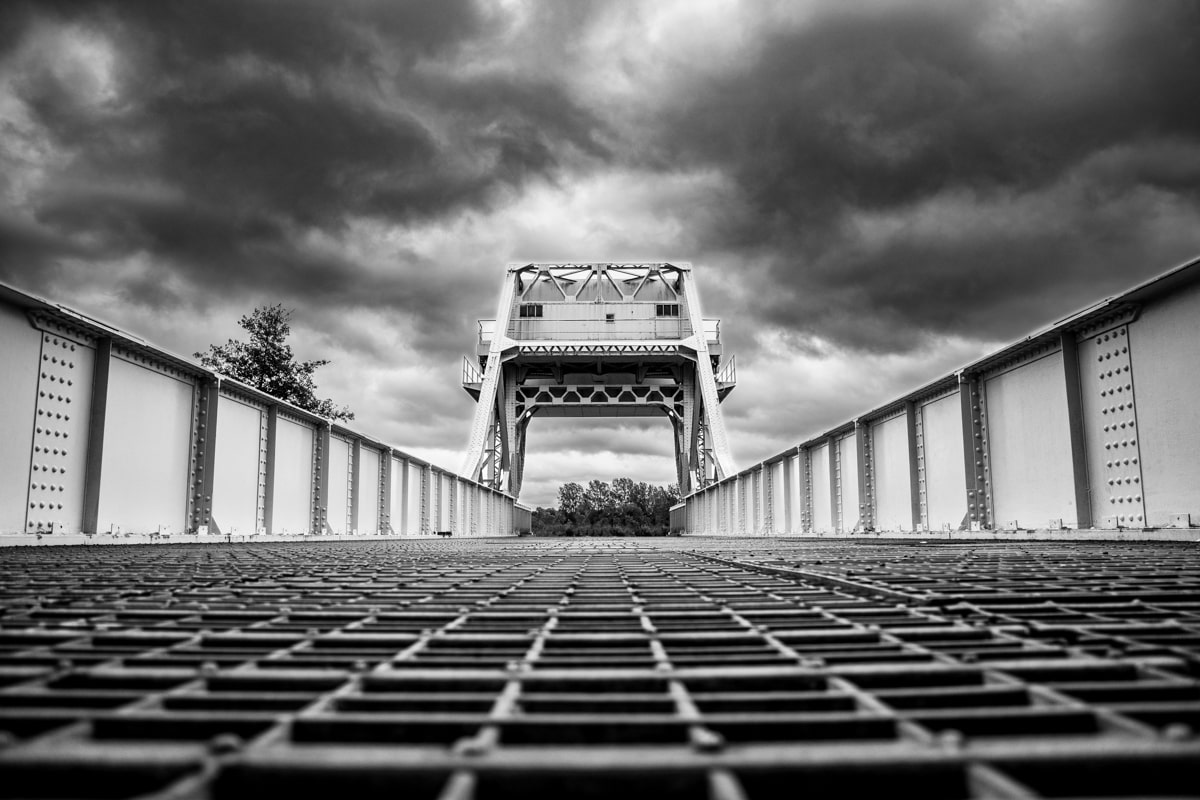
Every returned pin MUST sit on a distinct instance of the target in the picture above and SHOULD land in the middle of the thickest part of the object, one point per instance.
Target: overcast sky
(872, 192)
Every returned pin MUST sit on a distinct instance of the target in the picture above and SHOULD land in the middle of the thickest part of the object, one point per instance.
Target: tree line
(622, 508)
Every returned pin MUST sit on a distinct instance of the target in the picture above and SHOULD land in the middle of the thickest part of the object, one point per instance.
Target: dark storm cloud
(237, 129)
(901, 113)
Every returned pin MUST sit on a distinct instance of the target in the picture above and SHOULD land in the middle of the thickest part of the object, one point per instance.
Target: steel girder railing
(1088, 423)
(660, 669)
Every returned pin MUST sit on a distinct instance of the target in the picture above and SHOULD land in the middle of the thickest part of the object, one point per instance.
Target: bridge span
(1092, 423)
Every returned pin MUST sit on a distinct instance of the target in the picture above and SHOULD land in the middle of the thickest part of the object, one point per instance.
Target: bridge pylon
(598, 340)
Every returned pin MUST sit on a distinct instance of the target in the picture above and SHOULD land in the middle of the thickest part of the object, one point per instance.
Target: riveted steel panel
(368, 490)
(893, 496)
(850, 511)
(1032, 480)
(942, 459)
(147, 450)
(340, 454)
(1108, 396)
(238, 472)
(1165, 348)
(822, 510)
(294, 443)
(20, 354)
(60, 435)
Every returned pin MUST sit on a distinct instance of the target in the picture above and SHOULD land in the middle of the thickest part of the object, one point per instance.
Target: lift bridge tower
(598, 340)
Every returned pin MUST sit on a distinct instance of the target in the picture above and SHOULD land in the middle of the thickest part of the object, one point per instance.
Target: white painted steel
(338, 515)
(945, 475)
(292, 491)
(893, 498)
(1112, 443)
(481, 426)
(795, 489)
(1165, 349)
(778, 501)
(147, 447)
(399, 523)
(446, 497)
(368, 491)
(236, 472)
(717, 439)
(60, 435)
(20, 349)
(822, 506)
(1029, 444)
(851, 513)
(414, 499)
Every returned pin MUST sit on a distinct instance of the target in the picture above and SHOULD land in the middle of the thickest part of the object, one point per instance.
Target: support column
(404, 497)
(385, 491)
(321, 480)
(206, 455)
(355, 494)
(426, 496)
(806, 518)
(866, 493)
(1079, 466)
(835, 499)
(788, 512)
(95, 443)
(914, 469)
(974, 455)
(269, 480)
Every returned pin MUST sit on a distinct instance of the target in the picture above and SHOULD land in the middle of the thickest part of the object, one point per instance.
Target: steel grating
(651, 668)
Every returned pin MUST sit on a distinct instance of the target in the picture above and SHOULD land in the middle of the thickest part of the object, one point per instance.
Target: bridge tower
(598, 340)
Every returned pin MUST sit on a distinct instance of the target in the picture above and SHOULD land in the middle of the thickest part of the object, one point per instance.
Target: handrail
(471, 372)
(728, 373)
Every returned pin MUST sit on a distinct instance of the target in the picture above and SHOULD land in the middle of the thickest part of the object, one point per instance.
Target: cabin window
(610, 317)
(666, 310)
(530, 310)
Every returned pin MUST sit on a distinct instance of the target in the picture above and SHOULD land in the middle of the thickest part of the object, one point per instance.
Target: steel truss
(575, 362)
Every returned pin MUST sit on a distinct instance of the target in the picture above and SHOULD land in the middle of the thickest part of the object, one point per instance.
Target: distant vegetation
(267, 363)
(622, 508)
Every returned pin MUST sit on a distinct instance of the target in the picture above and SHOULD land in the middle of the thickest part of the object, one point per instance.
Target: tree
(267, 363)
(570, 500)
(624, 508)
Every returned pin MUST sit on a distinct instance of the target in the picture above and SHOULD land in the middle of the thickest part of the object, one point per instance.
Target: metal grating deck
(617, 668)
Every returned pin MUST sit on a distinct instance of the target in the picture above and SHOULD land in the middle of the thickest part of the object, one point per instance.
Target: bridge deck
(669, 668)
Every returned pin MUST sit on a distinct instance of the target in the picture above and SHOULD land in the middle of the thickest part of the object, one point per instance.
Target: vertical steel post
(425, 499)
(355, 485)
(1079, 465)
(269, 487)
(404, 497)
(866, 494)
(385, 491)
(206, 453)
(974, 457)
(835, 494)
(788, 477)
(321, 480)
(914, 471)
(95, 443)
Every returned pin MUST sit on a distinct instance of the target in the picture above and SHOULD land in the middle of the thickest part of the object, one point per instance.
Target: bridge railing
(105, 434)
(1093, 422)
